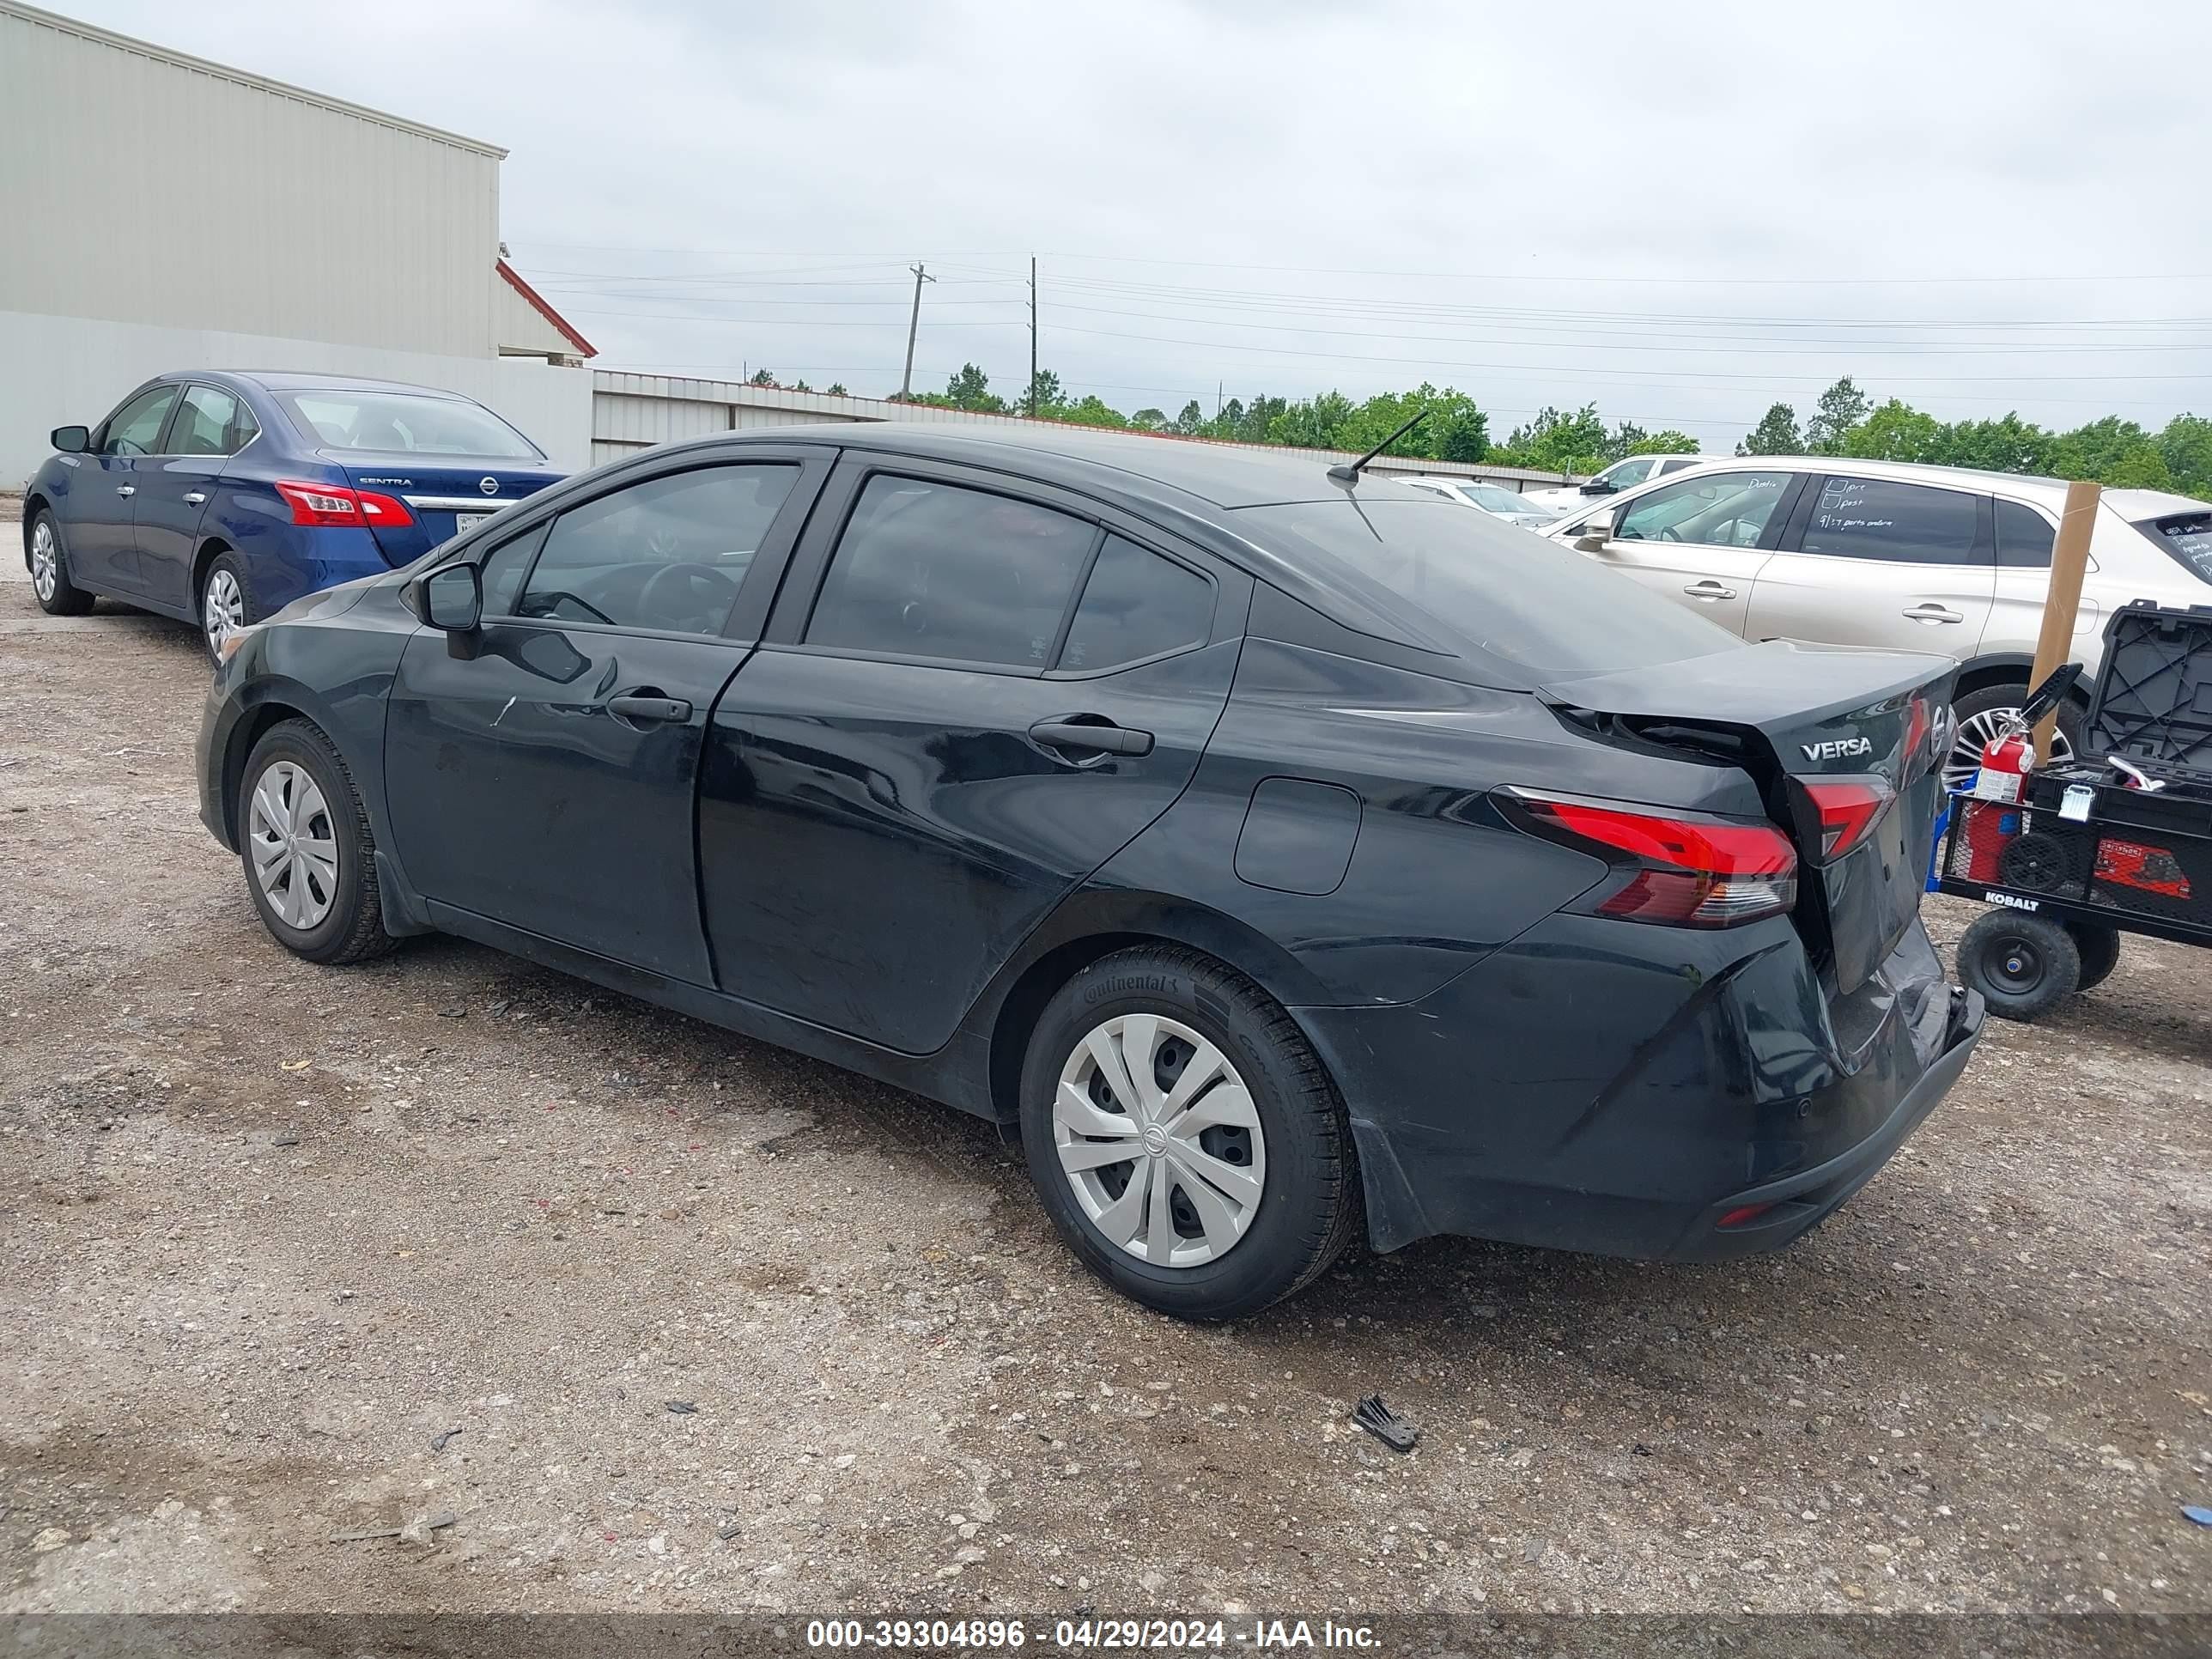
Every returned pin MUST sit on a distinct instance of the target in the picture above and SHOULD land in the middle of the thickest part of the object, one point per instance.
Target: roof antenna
(1350, 475)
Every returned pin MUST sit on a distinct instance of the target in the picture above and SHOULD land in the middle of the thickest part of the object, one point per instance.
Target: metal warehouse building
(164, 213)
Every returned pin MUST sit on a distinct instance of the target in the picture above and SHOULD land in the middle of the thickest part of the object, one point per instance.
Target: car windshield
(2187, 536)
(1509, 592)
(1497, 497)
(403, 421)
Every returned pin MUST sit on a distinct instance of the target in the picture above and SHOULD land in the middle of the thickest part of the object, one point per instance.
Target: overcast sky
(1681, 213)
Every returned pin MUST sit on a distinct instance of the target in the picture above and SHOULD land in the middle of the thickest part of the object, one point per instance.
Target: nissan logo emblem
(489, 486)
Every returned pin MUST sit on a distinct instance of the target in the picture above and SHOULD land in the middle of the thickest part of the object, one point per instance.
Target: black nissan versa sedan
(1286, 853)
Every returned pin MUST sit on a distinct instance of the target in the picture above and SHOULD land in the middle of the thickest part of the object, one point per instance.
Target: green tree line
(1455, 429)
(1845, 421)
(2109, 449)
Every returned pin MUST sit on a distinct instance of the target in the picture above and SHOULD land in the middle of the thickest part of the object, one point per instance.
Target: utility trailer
(2118, 841)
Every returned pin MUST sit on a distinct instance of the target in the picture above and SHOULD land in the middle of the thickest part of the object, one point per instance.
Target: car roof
(1159, 469)
(294, 380)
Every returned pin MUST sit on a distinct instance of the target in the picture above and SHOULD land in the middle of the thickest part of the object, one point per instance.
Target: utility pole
(1033, 383)
(914, 324)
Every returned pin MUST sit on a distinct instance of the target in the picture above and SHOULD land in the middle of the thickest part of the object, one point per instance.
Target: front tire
(309, 854)
(58, 595)
(1183, 1136)
(2021, 964)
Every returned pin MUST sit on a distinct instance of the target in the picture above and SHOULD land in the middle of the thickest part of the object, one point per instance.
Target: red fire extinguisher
(2007, 759)
(2009, 756)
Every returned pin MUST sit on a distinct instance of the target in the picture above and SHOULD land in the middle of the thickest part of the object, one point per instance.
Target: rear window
(2187, 536)
(1512, 594)
(397, 422)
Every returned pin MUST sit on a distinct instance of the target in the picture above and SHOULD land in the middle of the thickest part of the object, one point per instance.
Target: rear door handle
(126, 490)
(1709, 590)
(1102, 737)
(1932, 613)
(194, 497)
(653, 710)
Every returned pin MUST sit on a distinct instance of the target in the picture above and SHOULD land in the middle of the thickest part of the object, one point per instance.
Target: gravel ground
(273, 1232)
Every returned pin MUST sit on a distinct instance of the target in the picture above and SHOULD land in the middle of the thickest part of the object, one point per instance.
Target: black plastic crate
(2135, 856)
(2152, 704)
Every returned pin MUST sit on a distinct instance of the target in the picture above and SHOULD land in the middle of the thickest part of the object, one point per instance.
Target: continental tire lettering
(1121, 984)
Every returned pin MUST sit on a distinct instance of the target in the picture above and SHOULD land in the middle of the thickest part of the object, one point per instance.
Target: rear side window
(1389, 568)
(1900, 523)
(1665, 467)
(212, 421)
(668, 553)
(2024, 537)
(928, 569)
(1136, 605)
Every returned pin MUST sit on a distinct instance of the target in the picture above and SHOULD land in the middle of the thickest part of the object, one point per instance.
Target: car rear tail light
(1848, 809)
(328, 505)
(1678, 869)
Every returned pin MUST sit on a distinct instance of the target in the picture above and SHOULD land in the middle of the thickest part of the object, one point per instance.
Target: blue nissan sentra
(219, 498)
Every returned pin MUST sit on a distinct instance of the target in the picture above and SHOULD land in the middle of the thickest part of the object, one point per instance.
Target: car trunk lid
(1843, 745)
(443, 494)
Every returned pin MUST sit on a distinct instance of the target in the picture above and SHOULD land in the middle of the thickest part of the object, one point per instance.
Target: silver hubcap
(1160, 1141)
(222, 612)
(45, 564)
(1977, 732)
(296, 849)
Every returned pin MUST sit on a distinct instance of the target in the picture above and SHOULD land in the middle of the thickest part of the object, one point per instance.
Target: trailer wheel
(2020, 964)
(2099, 949)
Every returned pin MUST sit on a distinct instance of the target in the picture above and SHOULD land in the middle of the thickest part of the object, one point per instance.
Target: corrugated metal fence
(630, 412)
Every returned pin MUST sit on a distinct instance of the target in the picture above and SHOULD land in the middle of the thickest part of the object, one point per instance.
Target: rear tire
(2099, 950)
(308, 853)
(226, 603)
(1262, 1120)
(58, 595)
(2021, 964)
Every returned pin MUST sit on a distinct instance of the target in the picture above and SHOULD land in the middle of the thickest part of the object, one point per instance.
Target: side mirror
(1596, 532)
(70, 440)
(1597, 486)
(452, 598)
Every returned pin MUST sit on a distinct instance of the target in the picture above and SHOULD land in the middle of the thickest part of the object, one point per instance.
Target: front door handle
(1102, 737)
(1932, 613)
(652, 710)
(1709, 590)
(126, 490)
(194, 497)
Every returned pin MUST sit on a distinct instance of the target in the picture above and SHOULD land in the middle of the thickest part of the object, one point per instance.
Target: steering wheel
(693, 593)
(1669, 535)
(547, 602)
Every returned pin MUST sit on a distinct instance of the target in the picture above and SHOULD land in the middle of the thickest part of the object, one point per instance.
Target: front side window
(213, 422)
(1902, 523)
(926, 569)
(1713, 509)
(136, 427)
(1136, 605)
(406, 423)
(668, 553)
(1622, 474)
